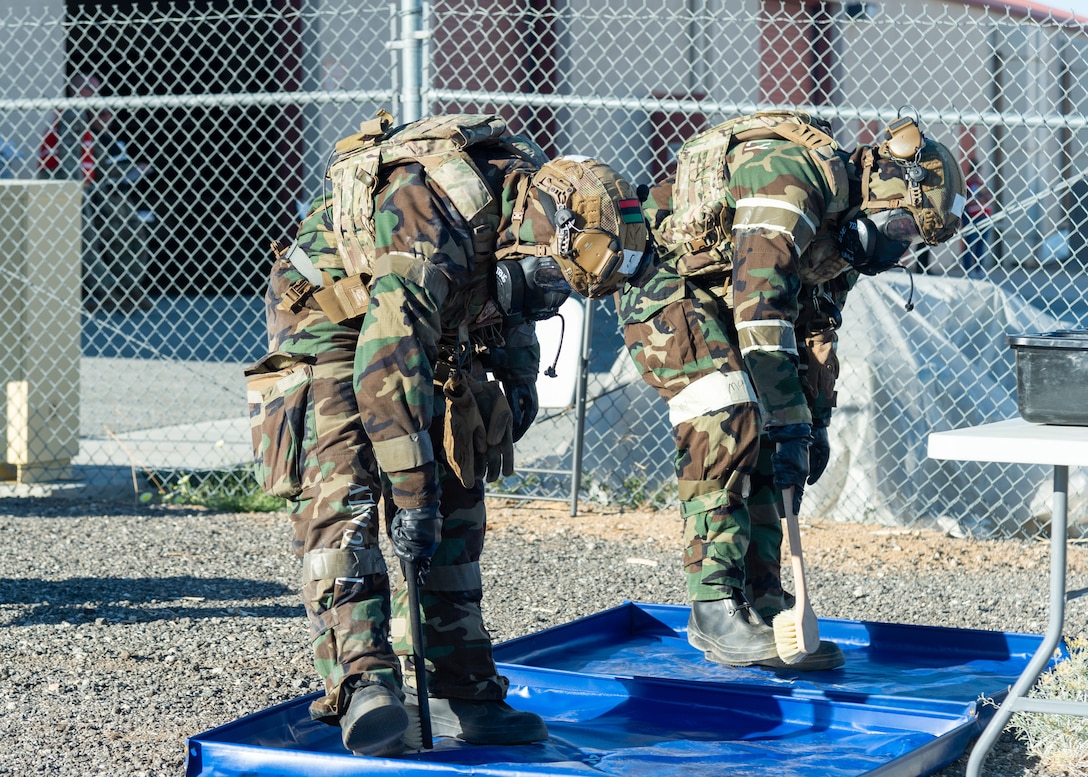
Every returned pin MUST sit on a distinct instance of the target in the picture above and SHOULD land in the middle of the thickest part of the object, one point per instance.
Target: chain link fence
(194, 131)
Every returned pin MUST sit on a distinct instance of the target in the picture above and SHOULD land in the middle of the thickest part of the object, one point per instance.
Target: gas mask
(529, 288)
(874, 243)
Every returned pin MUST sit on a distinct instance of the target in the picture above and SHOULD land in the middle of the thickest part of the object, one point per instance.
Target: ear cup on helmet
(903, 139)
(601, 235)
(597, 252)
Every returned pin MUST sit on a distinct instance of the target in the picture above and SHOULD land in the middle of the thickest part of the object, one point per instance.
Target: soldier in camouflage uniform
(762, 233)
(359, 414)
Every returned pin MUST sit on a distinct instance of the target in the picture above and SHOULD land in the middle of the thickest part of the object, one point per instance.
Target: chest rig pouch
(697, 234)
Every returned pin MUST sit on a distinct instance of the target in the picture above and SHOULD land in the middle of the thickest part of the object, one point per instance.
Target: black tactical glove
(416, 533)
(790, 461)
(819, 453)
(523, 406)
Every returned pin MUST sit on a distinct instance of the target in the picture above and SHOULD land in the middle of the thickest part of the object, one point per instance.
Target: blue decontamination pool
(623, 693)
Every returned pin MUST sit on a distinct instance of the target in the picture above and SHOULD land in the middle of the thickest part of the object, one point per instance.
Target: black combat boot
(730, 631)
(771, 603)
(481, 722)
(827, 656)
(374, 722)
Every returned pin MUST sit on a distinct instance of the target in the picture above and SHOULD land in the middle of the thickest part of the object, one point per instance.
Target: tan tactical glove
(463, 435)
(497, 455)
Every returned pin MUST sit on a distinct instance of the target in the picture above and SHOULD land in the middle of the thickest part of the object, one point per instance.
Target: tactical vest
(440, 144)
(698, 231)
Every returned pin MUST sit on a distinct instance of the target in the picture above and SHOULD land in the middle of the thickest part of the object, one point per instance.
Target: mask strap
(867, 163)
(517, 217)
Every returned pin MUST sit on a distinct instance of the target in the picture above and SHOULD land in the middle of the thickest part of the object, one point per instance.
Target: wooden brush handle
(808, 627)
(793, 531)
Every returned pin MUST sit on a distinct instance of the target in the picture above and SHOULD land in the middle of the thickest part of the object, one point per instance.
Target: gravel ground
(126, 629)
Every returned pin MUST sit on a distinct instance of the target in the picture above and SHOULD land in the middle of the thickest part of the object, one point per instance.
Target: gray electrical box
(39, 329)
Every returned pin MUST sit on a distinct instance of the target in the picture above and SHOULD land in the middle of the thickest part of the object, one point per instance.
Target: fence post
(580, 407)
(411, 61)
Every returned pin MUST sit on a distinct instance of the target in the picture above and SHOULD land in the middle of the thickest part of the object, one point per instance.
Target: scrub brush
(796, 630)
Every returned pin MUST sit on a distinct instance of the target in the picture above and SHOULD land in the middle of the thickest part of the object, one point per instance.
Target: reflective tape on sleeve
(768, 213)
(774, 335)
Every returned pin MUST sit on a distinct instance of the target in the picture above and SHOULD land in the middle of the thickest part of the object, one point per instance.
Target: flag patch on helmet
(630, 211)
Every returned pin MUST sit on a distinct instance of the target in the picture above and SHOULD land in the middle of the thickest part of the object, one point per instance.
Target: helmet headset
(912, 192)
(600, 237)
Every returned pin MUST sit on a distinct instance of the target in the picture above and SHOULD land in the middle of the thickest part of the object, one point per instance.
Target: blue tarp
(623, 693)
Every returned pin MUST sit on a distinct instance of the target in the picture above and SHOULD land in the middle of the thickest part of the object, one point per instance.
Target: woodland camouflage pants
(687, 350)
(359, 627)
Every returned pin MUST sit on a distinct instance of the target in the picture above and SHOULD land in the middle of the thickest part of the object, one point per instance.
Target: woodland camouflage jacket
(429, 292)
(777, 248)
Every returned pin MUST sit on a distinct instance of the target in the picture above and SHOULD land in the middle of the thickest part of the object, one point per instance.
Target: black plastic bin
(1052, 376)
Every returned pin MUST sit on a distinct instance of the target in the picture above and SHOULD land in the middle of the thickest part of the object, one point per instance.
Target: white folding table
(1019, 442)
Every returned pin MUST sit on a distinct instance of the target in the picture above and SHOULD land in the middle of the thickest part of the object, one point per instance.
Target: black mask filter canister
(530, 288)
(873, 244)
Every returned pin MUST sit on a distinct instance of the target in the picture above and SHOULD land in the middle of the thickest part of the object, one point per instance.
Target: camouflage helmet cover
(929, 184)
(601, 236)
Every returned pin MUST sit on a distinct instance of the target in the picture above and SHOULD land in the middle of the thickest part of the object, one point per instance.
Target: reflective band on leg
(460, 577)
(715, 391)
(332, 563)
(689, 489)
(398, 629)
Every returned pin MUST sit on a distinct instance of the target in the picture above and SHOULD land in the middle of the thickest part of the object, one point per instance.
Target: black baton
(411, 576)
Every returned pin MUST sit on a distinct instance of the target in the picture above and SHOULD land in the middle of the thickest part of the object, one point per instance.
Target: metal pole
(411, 81)
(580, 407)
(1059, 514)
(394, 47)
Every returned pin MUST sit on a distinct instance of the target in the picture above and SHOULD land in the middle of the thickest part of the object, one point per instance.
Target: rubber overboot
(827, 656)
(483, 722)
(730, 631)
(374, 722)
(770, 604)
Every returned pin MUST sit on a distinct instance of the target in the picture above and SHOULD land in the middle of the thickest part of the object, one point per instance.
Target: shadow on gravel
(126, 599)
(103, 507)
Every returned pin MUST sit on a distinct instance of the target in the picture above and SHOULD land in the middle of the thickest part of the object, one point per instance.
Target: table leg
(1058, 530)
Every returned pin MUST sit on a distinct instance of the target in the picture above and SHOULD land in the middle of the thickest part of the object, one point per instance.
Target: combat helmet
(911, 171)
(601, 238)
(911, 192)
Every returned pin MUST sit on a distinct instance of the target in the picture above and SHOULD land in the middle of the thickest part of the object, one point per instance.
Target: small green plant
(633, 493)
(1059, 741)
(235, 491)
